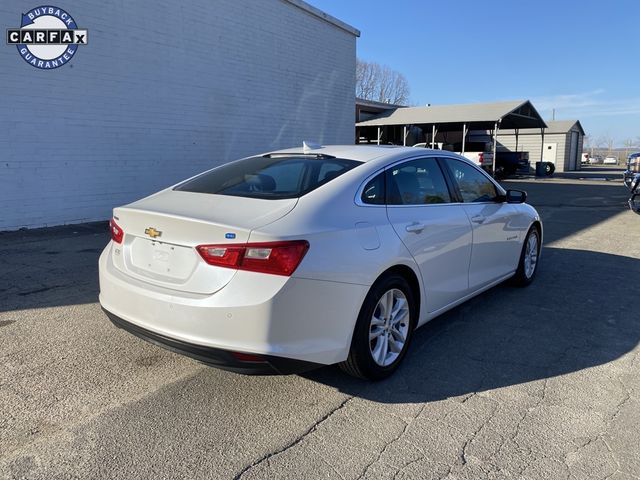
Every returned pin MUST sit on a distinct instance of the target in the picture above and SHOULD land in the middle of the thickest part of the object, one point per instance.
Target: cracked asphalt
(532, 383)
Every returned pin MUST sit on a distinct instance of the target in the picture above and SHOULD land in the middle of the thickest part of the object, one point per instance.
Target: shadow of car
(500, 339)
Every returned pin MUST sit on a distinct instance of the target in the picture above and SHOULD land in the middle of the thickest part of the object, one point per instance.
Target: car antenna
(307, 146)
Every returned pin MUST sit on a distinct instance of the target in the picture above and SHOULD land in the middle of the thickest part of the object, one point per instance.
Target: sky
(580, 57)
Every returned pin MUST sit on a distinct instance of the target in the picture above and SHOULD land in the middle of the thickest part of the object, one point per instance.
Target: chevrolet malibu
(294, 259)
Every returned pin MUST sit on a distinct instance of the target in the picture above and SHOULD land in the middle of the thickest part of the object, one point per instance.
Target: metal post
(464, 136)
(517, 131)
(541, 144)
(433, 135)
(405, 136)
(495, 148)
(379, 135)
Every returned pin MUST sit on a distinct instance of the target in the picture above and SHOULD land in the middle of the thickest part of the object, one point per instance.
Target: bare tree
(609, 141)
(381, 83)
(589, 143)
(600, 141)
(629, 144)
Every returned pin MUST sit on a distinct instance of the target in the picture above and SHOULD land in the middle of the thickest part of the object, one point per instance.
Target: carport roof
(510, 115)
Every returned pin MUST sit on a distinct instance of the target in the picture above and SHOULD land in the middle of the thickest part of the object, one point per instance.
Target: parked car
(633, 167)
(610, 161)
(584, 159)
(595, 159)
(305, 257)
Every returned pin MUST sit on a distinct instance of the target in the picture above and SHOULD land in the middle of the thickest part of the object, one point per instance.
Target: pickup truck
(507, 163)
(633, 168)
(473, 151)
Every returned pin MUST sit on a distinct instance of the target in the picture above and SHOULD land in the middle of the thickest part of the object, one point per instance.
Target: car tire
(549, 168)
(529, 259)
(369, 358)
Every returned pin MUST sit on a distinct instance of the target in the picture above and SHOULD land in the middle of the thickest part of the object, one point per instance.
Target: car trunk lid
(162, 231)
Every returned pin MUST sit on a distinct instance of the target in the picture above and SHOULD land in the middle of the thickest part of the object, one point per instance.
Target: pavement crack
(404, 430)
(613, 457)
(463, 451)
(469, 397)
(326, 462)
(309, 431)
(623, 402)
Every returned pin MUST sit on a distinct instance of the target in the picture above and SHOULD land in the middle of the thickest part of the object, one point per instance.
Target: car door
(421, 209)
(496, 231)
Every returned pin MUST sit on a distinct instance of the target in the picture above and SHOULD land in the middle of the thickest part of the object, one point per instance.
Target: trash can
(540, 169)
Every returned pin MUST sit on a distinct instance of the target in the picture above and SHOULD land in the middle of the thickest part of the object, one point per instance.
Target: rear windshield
(269, 177)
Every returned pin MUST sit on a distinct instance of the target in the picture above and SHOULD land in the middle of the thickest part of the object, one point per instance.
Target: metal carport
(513, 115)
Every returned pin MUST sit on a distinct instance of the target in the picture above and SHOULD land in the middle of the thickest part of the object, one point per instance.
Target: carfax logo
(48, 37)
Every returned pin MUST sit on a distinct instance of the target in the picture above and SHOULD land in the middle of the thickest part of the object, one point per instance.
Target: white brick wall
(164, 90)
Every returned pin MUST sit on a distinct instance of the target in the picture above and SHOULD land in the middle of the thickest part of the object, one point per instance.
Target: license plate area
(162, 261)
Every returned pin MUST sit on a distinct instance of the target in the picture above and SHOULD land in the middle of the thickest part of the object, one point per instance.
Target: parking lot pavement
(540, 382)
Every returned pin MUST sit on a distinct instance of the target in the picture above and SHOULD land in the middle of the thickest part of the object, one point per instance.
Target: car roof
(375, 156)
(361, 153)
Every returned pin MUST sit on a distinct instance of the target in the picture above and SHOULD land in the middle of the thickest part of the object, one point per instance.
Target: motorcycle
(634, 200)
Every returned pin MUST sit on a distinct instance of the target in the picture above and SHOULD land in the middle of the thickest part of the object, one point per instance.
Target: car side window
(473, 185)
(417, 182)
(373, 192)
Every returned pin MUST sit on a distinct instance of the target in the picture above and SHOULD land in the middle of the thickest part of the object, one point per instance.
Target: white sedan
(305, 257)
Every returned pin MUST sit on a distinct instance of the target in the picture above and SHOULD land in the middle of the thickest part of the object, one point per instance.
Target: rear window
(268, 177)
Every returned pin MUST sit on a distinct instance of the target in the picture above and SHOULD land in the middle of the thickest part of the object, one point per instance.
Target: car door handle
(415, 227)
(478, 219)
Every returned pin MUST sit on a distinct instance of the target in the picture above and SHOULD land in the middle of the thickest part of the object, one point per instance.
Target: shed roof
(553, 126)
(563, 126)
(512, 114)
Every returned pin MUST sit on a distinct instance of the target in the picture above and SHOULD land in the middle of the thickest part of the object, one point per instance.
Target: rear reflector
(277, 258)
(248, 357)
(116, 232)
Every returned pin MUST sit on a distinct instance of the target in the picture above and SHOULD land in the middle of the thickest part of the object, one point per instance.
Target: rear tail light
(277, 258)
(116, 232)
(481, 158)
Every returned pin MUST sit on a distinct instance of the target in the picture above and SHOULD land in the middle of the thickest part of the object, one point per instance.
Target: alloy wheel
(389, 327)
(531, 254)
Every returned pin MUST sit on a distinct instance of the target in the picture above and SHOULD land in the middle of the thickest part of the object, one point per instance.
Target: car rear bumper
(269, 315)
(215, 357)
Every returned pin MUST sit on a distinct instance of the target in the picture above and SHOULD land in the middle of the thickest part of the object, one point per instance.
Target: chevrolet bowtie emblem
(152, 232)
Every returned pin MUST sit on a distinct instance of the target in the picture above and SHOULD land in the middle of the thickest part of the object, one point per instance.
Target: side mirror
(516, 196)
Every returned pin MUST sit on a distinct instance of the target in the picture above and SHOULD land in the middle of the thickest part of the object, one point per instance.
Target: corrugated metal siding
(531, 143)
